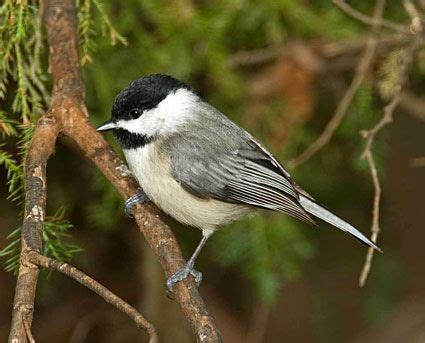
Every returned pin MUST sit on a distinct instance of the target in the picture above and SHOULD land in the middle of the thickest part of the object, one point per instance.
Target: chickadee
(200, 167)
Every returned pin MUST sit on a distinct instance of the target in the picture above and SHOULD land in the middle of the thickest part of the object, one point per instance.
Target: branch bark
(42, 145)
(68, 115)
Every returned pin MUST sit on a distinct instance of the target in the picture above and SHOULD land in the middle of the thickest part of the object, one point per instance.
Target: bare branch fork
(369, 20)
(68, 116)
(362, 68)
(387, 118)
(416, 40)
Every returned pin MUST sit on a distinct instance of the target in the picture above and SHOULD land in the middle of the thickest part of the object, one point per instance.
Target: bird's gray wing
(215, 158)
(319, 211)
(230, 166)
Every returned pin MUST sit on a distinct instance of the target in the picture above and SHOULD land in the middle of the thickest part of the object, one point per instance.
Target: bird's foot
(183, 274)
(130, 202)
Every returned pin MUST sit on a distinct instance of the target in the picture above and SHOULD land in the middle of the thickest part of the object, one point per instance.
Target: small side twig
(369, 20)
(342, 108)
(412, 11)
(369, 136)
(102, 291)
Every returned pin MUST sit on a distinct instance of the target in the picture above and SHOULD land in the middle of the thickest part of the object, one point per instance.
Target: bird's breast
(153, 172)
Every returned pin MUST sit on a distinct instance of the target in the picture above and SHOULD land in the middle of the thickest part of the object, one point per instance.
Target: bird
(200, 167)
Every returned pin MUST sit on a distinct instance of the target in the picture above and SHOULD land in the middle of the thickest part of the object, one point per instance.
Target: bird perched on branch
(200, 167)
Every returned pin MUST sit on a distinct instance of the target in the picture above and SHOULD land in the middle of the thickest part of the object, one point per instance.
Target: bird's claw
(181, 275)
(133, 200)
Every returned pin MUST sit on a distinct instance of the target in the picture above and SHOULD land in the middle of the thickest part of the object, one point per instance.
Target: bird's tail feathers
(315, 209)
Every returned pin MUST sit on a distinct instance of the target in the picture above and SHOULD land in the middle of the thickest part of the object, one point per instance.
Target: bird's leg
(188, 267)
(133, 200)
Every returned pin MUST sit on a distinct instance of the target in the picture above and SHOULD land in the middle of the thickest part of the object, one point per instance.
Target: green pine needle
(22, 45)
(87, 28)
(55, 242)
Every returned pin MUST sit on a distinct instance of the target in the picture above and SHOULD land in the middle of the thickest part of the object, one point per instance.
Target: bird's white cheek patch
(146, 125)
(174, 111)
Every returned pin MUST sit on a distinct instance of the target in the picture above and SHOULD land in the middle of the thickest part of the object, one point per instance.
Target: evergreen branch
(7, 126)
(55, 233)
(86, 31)
(20, 36)
(15, 173)
(21, 101)
(12, 251)
(113, 33)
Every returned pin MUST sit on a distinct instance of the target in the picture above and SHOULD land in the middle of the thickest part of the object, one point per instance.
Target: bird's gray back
(212, 157)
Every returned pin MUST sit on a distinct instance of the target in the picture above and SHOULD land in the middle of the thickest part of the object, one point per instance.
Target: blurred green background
(279, 69)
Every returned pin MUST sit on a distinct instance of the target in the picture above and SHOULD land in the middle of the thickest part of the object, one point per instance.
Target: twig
(68, 114)
(369, 136)
(416, 24)
(342, 108)
(332, 50)
(369, 20)
(325, 50)
(87, 281)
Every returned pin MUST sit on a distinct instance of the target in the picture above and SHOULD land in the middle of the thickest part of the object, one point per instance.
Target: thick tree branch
(157, 233)
(41, 147)
(69, 115)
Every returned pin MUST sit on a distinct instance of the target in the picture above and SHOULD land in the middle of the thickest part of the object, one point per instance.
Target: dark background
(268, 66)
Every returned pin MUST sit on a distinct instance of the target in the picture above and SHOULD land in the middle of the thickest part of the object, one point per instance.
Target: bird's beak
(109, 125)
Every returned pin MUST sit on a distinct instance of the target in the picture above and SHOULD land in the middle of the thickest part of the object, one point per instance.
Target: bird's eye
(135, 113)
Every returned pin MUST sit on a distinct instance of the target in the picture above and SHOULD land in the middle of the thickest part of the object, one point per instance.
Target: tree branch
(64, 268)
(327, 51)
(412, 11)
(369, 136)
(157, 233)
(369, 20)
(341, 111)
(41, 147)
(69, 115)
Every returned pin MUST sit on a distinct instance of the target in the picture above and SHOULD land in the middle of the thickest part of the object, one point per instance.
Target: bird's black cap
(144, 93)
